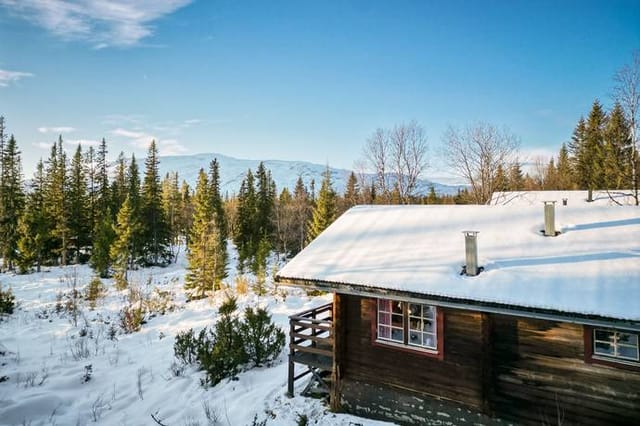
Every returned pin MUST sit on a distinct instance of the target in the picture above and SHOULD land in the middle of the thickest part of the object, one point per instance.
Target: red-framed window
(613, 347)
(408, 326)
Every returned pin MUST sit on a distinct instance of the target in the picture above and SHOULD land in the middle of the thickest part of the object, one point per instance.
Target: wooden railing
(310, 342)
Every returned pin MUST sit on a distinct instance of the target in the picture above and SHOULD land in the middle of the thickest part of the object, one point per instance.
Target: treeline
(118, 218)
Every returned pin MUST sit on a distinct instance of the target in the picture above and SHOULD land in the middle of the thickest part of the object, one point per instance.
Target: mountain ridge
(284, 172)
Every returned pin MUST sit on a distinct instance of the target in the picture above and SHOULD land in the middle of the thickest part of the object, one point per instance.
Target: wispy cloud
(8, 77)
(43, 145)
(121, 23)
(141, 140)
(83, 142)
(57, 130)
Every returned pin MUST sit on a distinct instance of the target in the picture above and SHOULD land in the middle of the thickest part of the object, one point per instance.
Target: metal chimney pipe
(549, 218)
(471, 252)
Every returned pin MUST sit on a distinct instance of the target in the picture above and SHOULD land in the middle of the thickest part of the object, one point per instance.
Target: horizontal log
(312, 350)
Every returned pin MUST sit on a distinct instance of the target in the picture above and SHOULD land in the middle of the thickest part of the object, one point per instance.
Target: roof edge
(466, 304)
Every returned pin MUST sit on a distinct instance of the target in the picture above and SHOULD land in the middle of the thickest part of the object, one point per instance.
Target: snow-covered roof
(531, 198)
(591, 268)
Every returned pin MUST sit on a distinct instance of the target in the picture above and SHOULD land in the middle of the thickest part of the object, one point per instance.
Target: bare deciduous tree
(476, 152)
(627, 93)
(398, 157)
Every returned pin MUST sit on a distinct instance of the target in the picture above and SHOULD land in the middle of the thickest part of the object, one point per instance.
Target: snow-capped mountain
(284, 173)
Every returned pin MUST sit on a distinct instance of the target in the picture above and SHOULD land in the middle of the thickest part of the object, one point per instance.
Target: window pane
(429, 340)
(384, 332)
(396, 320)
(384, 305)
(415, 310)
(604, 335)
(630, 352)
(396, 307)
(414, 324)
(604, 348)
(415, 338)
(428, 326)
(628, 339)
(397, 335)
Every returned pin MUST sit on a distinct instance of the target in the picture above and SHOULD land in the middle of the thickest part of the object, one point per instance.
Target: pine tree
(587, 149)
(35, 225)
(102, 179)
(207, 255)
(265, 202)
(79, 225)
(155, 231)
(325, 211)
(133, 192)
(122, 249)
(12, 201)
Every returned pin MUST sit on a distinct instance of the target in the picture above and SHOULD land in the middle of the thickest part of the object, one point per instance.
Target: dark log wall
(528, 371)
(540, 376)
(458, 377)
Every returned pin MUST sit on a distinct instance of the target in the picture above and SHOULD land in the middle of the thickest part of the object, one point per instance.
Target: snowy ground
(44, 372)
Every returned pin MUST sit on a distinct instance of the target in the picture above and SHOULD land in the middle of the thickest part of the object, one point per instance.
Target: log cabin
(521, 313)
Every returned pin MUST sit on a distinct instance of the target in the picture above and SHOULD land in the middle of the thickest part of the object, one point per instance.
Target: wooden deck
(311, 344)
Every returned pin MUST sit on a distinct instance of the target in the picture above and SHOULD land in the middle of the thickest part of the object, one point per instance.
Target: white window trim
(407, 326)
(615, 357)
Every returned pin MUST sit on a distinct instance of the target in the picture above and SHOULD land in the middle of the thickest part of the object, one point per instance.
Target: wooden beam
(338, 342)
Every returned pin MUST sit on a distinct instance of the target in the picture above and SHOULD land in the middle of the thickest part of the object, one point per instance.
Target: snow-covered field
(53, 372)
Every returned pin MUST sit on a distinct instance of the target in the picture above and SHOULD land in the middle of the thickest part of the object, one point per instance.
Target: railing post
(291, 363)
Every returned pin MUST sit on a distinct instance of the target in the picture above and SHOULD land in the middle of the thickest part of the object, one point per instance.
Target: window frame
(593, 357)
(405, 346)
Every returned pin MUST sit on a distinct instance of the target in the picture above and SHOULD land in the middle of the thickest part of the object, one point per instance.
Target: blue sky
(302, 80)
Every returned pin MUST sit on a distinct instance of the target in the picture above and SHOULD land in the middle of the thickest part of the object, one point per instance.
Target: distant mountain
(284, 173)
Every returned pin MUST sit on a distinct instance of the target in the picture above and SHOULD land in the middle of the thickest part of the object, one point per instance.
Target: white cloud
(141, 140)
(57, 130)
(8, 77)
(104, 23)
(171, 147)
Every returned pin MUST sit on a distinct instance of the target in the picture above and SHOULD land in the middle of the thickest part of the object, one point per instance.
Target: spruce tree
(351, 193)
(102, 179)
(185, 211)
(170, 205)
(104, 236)
(245, 236)
(617, 151)
(57, 201)
(325, 211)
(216, 199)
(35, 225)
(79, 220)
(155, 231)
(122, 249)
(564, 170)
(265, 202)
(119, 186)
(12, 201)
(207, 254)
(133, 192)
(302, 210)
(516, 177)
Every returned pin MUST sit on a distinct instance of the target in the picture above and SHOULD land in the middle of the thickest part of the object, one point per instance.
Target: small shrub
(263, 341)
(7, 301)
(120, 281)
(131, 318)
(186, 347)
(94, 291)
(302, 420)
(88, 370)
(160, 302)
(242, 285)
